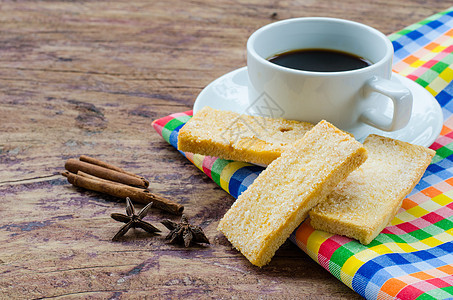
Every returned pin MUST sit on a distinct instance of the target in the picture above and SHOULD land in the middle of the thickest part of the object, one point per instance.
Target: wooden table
(88, 77)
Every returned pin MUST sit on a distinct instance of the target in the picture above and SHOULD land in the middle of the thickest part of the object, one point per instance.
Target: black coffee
(320, 60)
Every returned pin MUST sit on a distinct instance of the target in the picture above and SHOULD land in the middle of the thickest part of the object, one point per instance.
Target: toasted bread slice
(279, 199)
(229, 135)
(364, 203)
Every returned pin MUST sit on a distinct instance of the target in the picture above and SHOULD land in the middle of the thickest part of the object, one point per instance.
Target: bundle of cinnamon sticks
(93, 174)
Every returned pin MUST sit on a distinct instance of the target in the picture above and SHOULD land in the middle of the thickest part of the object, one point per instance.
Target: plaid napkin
(413, 257)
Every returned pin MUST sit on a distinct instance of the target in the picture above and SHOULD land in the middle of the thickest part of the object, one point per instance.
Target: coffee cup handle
(402, 104)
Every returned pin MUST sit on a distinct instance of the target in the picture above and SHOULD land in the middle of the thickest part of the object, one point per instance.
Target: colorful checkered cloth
(413, 257)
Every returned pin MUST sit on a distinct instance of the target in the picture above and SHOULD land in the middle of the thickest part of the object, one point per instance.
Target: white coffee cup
(348, 99)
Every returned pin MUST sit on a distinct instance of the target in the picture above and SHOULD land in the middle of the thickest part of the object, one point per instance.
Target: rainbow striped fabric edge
(413, 257)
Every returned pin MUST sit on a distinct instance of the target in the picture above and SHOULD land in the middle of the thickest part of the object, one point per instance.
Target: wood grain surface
(88, 77)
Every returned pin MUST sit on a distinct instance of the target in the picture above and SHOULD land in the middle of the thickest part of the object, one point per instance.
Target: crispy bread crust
(363, 204)
(229, 135)
(264, 216)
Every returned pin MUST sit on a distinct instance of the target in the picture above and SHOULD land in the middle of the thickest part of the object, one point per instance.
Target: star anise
(184, 233)
(133, 220)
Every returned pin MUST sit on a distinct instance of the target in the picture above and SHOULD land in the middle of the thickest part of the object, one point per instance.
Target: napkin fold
(412, 258)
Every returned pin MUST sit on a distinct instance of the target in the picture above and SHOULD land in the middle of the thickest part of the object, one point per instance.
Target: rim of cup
(255, 35)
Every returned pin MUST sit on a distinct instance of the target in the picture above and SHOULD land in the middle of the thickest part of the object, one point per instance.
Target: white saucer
(230, 92)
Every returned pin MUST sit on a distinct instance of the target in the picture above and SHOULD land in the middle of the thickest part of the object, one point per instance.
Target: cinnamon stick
(101, 163)
(162, 203)
(83, 174)
(116, 189)
(74, 165)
